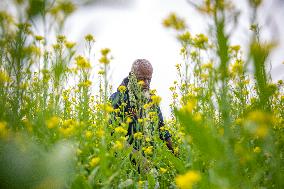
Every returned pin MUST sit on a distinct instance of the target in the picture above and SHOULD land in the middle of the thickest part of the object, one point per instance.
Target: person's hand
(132, 112)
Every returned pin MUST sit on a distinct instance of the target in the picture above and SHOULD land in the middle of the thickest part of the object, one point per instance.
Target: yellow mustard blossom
(100, 132)
(67, 131)
(88, 134)
(86, 83)
(235, 48)
(140, 184)
(188, 108)
(176, 150)
(69, 44)
(82, 62)
(187, 180)
(148, 139)
(128, 120)
(53, 122)
(69, 123)
(261, 131)
(4, 77)
(257, 149)
(90, 38)
(104, 60)
(208, 66)
(200, 40)
(140, 120)
(141, 83)
(39, 38)
(163, 170)
(138, 135)
(156, 99)
(172, 21)
(148, 150)
(109, 108)
(118, 145)
(94, 161)
(3, 129)
(197, 117)
(122, 88)
(185, 37)
(61, 38)
(146, 106)
(105, 51)
(101, 72)
(120, 130)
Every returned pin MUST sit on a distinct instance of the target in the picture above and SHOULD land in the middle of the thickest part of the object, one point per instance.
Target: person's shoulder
(114, 95)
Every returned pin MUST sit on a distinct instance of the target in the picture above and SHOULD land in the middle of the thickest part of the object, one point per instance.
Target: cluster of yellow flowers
(104, 59)
(187, 180)
(172, 21)
(82, 62)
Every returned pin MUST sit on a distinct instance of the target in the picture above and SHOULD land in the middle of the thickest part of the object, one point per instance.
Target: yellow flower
(176, 150)
(235, 48)
(141, 83)
(188, 108)
(197, 117)
(52, 122)
(122, 88)
(261, 131)
(3, 129)
(104, 60)
(69, 44)
(128, 120)
(156, 99)
(185, 37)
(146, 106)
(208, 66)
(105, 51)
(163, 170)
(61, 38)
(118, 145)
(100, 132)
(148, 139)
(94, 161)
(86, 83)
(101, 72)
(120, 130)
(4, 77)
(67, 131)
(187, 180)
(174, 22)
(109, 108)
(88, 134)
(257, 150)
(148, 150)
(82, 62)
(90, 38)
(39, 38)
(138, 135)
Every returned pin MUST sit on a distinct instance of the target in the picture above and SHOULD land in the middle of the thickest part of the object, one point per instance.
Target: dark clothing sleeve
(115, 99)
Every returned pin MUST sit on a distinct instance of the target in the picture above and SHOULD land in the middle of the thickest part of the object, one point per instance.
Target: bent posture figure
(132, 94)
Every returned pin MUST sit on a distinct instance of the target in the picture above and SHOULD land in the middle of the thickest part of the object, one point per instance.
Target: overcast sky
(135, 30)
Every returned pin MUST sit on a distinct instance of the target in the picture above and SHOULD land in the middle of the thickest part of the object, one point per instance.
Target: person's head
(143, 71)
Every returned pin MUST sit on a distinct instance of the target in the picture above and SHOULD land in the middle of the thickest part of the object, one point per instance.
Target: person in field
(131, 97)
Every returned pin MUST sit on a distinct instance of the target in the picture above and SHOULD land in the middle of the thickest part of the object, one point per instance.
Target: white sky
(136, 31)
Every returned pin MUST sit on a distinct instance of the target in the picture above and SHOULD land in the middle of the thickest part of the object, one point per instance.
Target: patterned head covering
(142, 67)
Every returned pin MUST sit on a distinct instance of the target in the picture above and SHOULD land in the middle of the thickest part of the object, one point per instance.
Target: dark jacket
(116, 100)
